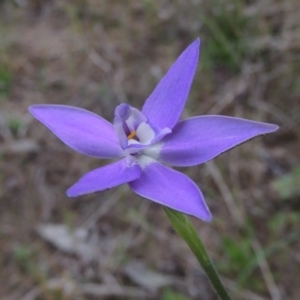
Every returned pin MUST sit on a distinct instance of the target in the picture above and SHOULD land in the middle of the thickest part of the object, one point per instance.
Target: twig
(228, 197)
(104, 207)
(239, 219)
(104, 66)
(100, 290)
(266, 272)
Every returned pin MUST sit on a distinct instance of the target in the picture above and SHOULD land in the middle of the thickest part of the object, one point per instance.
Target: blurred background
(115, 245)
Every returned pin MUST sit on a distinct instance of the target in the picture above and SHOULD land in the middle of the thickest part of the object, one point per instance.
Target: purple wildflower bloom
(146, 140)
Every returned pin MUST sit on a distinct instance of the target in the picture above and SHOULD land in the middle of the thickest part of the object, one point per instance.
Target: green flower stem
(186, 230)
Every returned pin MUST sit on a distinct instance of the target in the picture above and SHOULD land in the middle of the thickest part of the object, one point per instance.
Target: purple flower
(144, 141)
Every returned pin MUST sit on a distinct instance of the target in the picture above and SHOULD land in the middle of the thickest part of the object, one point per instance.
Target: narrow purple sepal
(165, 105)
(120, 172)
(196, 140)
(172, 189)
(121, 111)
(82, 130)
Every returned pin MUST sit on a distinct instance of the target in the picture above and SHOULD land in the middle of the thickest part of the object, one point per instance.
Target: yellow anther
(131, 135)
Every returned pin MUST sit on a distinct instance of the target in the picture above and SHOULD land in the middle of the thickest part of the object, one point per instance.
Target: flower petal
(172, 189)
(164, 106)
(199, 139)
(100, 179)
(80, 129)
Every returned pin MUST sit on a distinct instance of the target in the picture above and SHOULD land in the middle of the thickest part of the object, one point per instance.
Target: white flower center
(144, 134)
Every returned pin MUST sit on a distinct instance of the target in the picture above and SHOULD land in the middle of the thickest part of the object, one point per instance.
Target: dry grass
(96, 54)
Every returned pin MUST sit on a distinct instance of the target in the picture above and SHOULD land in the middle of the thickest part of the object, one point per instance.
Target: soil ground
(115, 245)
